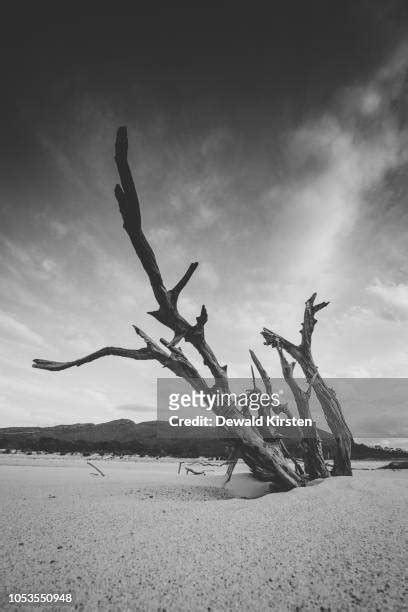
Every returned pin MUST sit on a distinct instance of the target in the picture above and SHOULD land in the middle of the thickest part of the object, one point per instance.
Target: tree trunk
(335, 419)
(326, 396)
(314, 464)
(282, 478)
(264, 458)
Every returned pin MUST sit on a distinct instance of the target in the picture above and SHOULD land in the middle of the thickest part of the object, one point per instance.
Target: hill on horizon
(123, 430)
(124, 436)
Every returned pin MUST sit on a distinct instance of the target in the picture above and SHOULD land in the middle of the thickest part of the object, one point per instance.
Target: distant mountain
(125, 430)
(120, 430)
(124, 436)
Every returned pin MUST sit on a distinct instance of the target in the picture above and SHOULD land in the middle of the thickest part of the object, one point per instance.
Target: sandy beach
(145, 538)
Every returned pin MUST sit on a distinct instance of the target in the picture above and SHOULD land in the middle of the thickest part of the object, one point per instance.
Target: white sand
(143, 538)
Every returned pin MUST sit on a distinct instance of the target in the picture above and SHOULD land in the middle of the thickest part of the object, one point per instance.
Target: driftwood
(232, 461)
(395, 465)
(281, 408)
(314, 463)
(284, 408)
(203, 463)
(265, 459)
(96, 468)
(191, 471)
(333, 413)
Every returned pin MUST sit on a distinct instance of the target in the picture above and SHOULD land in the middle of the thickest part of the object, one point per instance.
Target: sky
(270, 147)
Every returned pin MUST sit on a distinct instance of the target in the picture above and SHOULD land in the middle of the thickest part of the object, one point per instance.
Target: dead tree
(333, 413)
(315, 466)
(265, 460)
(268, 432)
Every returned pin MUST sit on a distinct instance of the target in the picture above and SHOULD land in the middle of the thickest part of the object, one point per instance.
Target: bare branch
(175, 292)
(232, 461)
(155, 349)
(268, 387)
(309, 320)
(130, 211)
(273, 339)
(311, 383)
(253, 380)
(128, 186)
(202, 318)
(56, 366)
(287, 370)
(176, 361)
(167, 314)
(309, 436)
(262, 372)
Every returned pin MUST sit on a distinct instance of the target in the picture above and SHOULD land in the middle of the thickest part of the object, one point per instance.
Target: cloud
(135, 408)
(334, 165)
(16, 330)
(394, 296)
(207, 273)
(59, 228)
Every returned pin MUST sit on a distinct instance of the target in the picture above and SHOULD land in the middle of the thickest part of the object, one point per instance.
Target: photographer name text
(251, 421)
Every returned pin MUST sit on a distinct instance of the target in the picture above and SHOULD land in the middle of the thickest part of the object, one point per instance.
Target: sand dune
(144, 538)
